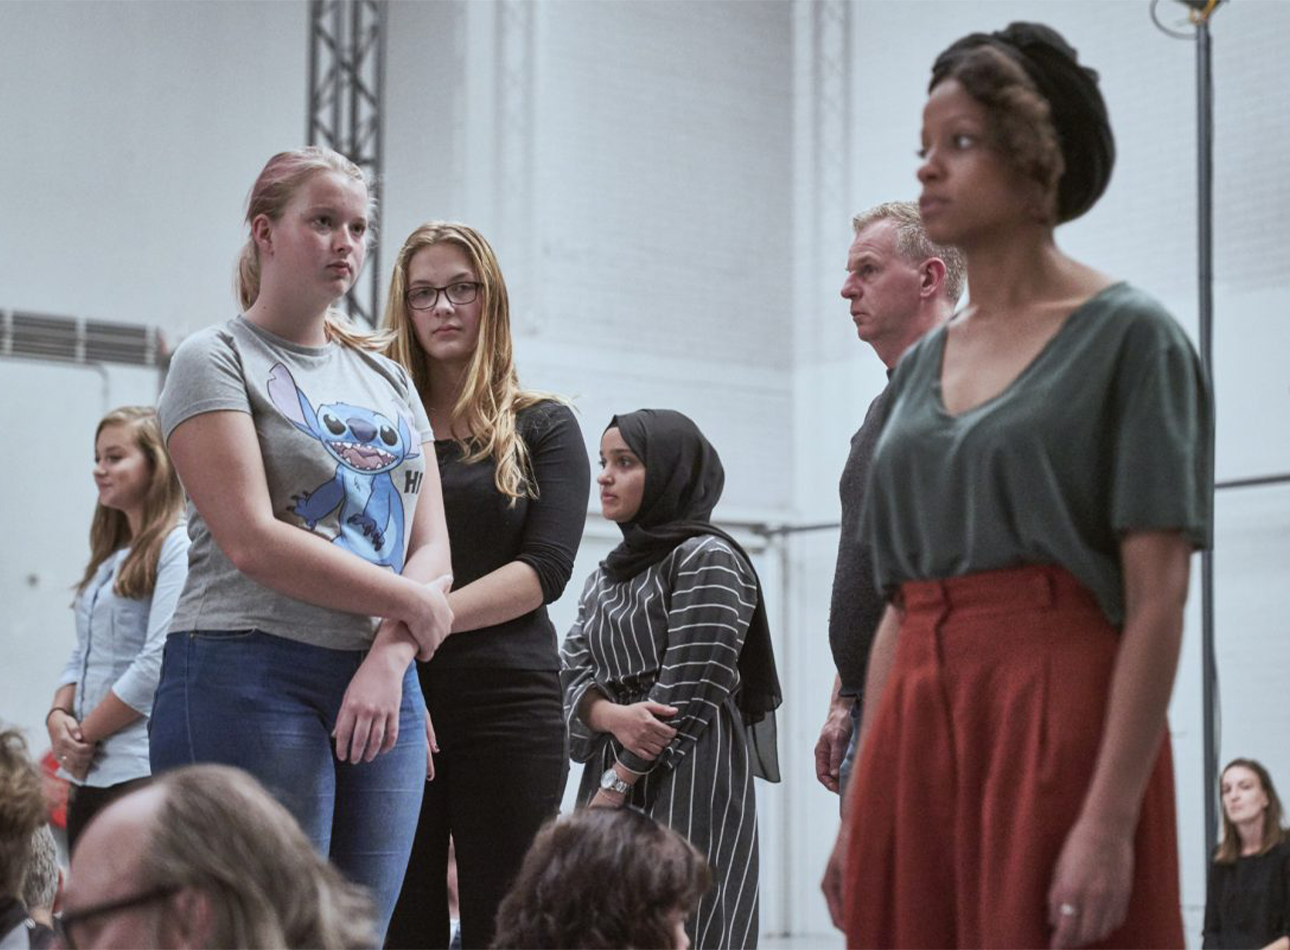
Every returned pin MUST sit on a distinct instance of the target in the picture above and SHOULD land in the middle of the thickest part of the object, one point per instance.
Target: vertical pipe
(378, 156)
(311, 93)
(787, 663)
(337, 74)
(1204, 201)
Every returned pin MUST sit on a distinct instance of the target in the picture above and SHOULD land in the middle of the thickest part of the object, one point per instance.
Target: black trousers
(86, 801)
(499, 775)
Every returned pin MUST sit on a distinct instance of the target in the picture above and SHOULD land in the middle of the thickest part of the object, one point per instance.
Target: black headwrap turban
(1078, 110)
(683, 482)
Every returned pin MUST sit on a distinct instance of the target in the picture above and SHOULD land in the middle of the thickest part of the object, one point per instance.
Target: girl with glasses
(319, 560)
(515, 482)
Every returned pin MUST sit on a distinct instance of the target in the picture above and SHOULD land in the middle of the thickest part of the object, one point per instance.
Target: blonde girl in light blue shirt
(124, 601)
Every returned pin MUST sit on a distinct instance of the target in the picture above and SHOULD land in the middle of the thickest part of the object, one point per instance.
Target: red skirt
(980, 755)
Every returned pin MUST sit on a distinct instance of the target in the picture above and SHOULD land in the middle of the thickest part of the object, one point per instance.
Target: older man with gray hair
(201, 857)
(899, 285)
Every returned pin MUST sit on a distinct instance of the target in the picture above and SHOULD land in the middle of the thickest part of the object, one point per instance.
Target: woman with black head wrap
(1036, 493)
(669, 679)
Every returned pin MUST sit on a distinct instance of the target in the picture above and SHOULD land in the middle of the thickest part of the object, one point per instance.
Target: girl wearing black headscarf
(1038, 488)
(669, 680)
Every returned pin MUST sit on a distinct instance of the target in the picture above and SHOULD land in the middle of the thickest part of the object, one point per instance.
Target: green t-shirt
(1107, 431)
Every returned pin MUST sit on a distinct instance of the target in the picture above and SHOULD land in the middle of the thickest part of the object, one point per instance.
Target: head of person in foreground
(203, 856)
(604, 877)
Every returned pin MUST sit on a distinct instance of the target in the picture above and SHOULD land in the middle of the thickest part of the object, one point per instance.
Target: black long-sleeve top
(486, 532)
(1248, 904)
(857, 605)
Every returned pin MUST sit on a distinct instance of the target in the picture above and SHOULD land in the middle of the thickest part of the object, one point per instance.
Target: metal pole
(1204, 201)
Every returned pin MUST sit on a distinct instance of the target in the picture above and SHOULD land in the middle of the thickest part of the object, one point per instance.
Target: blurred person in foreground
(22, 813)
(1248, 904)
(604, 878)
(42, 888)
(203, 856)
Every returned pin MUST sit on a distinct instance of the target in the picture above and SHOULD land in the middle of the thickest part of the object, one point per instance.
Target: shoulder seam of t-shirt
(201, 408)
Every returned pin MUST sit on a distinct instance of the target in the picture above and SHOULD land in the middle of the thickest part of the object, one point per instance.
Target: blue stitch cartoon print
(367, 446)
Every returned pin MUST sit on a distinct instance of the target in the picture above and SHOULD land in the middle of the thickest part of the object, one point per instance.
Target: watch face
(609, 779)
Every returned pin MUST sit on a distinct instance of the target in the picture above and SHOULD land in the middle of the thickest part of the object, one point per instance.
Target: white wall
(669, 187)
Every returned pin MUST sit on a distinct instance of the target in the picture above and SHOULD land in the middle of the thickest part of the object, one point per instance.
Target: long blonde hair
(162, 506)
(273, 190)
(491, 396)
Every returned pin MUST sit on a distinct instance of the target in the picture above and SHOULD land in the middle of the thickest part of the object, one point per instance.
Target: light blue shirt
(118, 648)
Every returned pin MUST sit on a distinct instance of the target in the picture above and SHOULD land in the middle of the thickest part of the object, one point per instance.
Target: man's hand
(831, 748)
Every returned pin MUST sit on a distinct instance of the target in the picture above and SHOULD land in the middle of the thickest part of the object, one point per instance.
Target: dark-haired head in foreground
(602, 878)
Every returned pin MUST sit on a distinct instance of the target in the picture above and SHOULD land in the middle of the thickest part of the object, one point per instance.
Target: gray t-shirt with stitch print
(341, 431)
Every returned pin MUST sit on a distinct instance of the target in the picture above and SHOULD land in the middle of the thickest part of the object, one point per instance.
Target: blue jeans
(268, 705)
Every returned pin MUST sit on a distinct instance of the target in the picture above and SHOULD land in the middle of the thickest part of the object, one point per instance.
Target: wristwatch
(610, 782)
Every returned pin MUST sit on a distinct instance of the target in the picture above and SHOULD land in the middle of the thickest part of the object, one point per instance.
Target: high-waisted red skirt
(980, 754)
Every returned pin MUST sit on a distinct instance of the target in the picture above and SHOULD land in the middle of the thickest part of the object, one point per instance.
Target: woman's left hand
(368, 722)
(1092, 881)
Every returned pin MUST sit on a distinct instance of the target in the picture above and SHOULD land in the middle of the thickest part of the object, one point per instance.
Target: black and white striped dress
(672, 634)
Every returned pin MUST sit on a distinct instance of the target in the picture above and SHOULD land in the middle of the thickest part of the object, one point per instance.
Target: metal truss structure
(346, 111)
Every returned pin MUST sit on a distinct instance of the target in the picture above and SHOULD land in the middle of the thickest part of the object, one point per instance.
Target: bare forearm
(882, 657)
(428, 562)
(111, 715)
(64, 697)
(306, 567)
(836, 700)
(510, 591)
(1135, 715)
(595, 710)
(1156, 568)
(395, 644)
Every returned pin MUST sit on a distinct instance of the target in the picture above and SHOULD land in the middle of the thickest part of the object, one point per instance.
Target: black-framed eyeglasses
(64, 922)
(460, 292)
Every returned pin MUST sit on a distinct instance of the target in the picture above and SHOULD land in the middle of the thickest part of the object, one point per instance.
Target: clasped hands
(640, 729)
(71, 750)
(368, 721)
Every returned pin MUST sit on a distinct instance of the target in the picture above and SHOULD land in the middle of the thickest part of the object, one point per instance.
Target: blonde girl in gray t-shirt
(315, 575)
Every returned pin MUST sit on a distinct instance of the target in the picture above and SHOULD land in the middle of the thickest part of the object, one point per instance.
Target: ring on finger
(1068, 910)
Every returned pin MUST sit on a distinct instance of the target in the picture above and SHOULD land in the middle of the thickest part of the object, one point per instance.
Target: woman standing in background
(515, 481)
(1248, 904)
(315, 507)
(669, 677)
(138, 561)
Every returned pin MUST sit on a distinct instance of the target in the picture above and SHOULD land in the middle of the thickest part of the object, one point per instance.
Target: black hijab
(683, 482)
